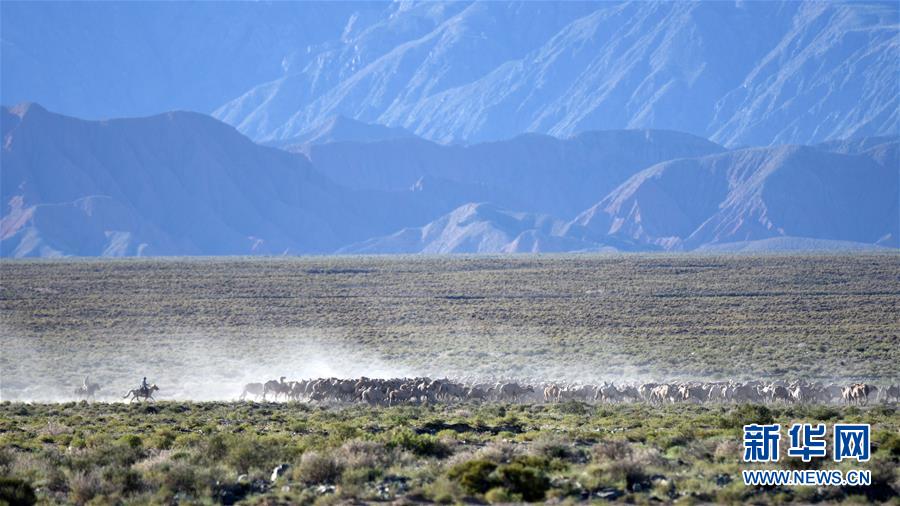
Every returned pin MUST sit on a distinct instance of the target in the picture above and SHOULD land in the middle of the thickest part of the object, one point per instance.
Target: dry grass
(545, 317)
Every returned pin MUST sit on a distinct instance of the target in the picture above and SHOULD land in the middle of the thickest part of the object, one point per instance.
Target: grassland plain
(201, 327)
(214, 452)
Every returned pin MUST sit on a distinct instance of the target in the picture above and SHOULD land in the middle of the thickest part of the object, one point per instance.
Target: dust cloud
(189, 365)
(185, 365)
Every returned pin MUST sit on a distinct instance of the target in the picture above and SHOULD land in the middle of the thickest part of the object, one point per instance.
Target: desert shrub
(524, 477)
(443, 490)
(498, 452)
(359, 476)
(699, 450)
(7, 458)
(499, 495)
(746, 414)
(520, 479)
(248, 453)
(611, 451)
(122, 479)
(823, 413)
(675, 438)
(162, 440)
(83, 486)
(176, 477)
(424, 445)
(624, 462)
(16, 492)
(340, 432)
(532, 461)
(727, 450)
(474, 475)
(215, 448)
(132, 441)
(572, 407)
(41, 470)
(316, 468)
(243, 454)
(887, 443)
(555, 448)
(119, 454)
(361, 453)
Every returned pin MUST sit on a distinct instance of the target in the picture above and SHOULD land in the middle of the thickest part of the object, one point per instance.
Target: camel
(891, 393)
(551, 393)
(421, 390)
(275, 388)
(513, 391)
(858, 393)
(254, 389)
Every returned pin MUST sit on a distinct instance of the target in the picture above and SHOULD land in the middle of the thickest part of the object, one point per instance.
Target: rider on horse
(145, 388)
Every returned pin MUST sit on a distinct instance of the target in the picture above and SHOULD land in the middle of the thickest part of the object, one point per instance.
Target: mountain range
(738, 73)
(183, 183)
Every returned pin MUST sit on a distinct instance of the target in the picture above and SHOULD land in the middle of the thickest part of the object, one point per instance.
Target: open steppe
(202, 327)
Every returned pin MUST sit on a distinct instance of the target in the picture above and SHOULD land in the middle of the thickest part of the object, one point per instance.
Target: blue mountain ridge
(182, 183)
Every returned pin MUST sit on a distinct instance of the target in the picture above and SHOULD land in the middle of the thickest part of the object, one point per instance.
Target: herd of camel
(388, 392)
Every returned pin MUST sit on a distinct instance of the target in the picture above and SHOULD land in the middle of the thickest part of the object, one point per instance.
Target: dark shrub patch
(245, 454)
(823, 413)
(474, 475)
(316, 468)
(421, 444)
(132, 441)
(16, 492)
(889, 443)
(747, 414)
(529, 482)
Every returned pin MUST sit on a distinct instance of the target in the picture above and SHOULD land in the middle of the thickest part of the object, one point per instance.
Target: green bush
(420, 444)
(555, 448)
(132, 441)
(163, 439)
(109, 454)
(529, 482)
(823, 413)
(887, 443)
(572, 407)
(246, 453)
(474, 475)
(123, 479)
(747, 414)
(499, 495)
(176, 477)
(357, 476)
(216, 447)
(83, 486)
(615, 450)
(317, 468)
(523, 477)
(16, 492)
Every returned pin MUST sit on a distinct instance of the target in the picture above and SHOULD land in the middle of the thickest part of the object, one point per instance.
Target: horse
(141, 394)
(87, 391)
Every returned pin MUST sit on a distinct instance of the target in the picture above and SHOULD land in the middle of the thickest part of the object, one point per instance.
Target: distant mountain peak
(340, 128)
(818, 71)
(183, 183)
(24, 108)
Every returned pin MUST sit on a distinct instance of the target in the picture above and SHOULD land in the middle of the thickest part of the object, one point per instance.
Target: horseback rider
(145, 388)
